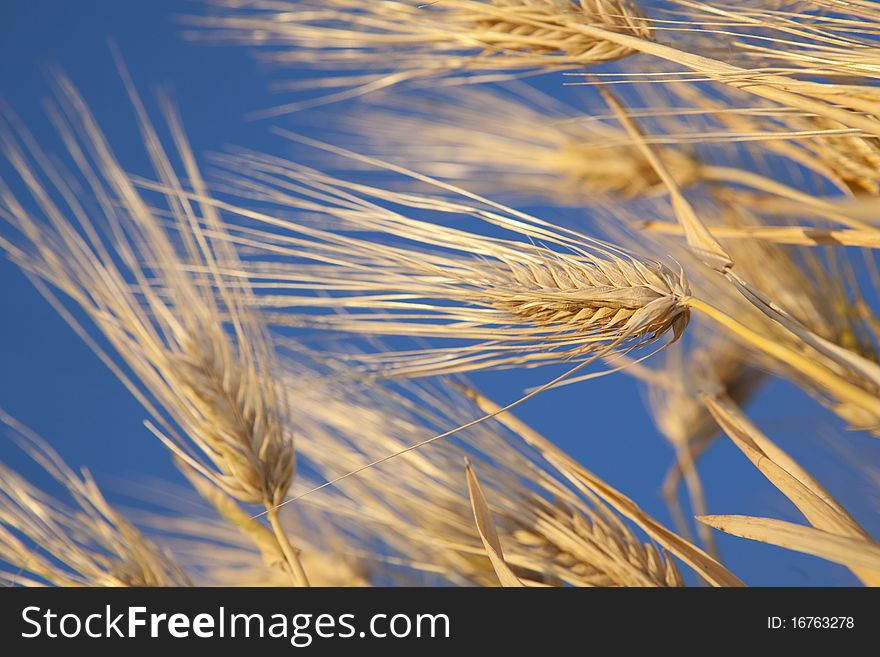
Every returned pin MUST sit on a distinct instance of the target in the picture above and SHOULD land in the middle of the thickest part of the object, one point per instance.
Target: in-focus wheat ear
(505, 301)
(165, 323)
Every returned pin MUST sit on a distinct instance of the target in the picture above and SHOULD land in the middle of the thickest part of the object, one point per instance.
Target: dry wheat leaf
(488, 533)
(818, 506)
(794, 482)
(851, 552)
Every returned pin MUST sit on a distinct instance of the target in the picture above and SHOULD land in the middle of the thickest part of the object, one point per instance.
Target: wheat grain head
(510, 302)
(522, 144)
(165, 324)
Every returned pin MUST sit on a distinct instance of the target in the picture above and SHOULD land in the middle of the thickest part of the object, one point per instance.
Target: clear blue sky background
(53, 383)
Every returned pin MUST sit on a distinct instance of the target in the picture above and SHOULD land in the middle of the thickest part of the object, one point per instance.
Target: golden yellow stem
(290, 553)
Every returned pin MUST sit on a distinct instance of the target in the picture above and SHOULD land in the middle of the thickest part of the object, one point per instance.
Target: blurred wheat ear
(165, 323)
(518, 143)
(408, 41)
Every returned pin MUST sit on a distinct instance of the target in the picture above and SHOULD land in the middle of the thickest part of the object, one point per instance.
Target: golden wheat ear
(533, 295)
(146, 270)
(407, 41)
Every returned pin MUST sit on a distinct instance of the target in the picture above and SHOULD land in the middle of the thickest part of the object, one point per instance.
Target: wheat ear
(406, 41)
(165, 324)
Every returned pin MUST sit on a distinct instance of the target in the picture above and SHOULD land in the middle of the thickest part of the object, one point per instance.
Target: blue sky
(51, 381)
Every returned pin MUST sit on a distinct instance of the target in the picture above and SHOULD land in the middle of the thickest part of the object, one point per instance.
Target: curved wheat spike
(135, 284)
(506, 301)
(525, 144)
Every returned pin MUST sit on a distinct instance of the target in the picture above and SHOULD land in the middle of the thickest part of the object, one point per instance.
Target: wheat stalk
(219, 544)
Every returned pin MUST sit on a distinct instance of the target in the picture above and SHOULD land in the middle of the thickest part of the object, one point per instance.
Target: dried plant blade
(744, 433)
(808, 495)
(488, 532)
(850, 552)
